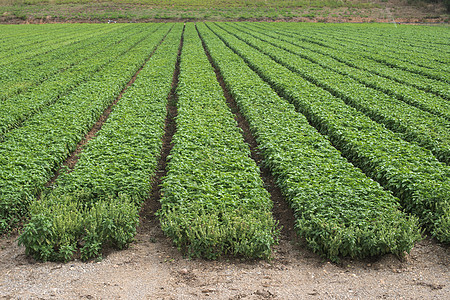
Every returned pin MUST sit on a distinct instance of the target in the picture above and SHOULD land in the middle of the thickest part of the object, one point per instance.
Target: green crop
(214, 202)
(338, 209)
(101, 197)
(413, 175)
(30, 154)
(353, 122)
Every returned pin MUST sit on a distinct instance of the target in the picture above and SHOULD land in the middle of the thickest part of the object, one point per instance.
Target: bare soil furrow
(149, 224)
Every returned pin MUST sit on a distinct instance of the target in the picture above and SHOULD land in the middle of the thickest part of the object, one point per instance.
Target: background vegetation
(36, 11)
(209, 3)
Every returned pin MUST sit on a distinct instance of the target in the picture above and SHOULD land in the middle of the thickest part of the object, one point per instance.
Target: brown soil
(148, 220)
(411, 20)
(152, 269)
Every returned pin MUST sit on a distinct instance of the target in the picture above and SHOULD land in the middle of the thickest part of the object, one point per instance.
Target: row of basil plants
(425, 53)
(35, 55)
(415, 63)
(355, 59)
(17, 49)
(30, 154)
(422, 39)
(25, 40)
(213, 202)
(326, 58)
(16, 33)
(338, 209)
(20, 76)
(97, 204)
(398, 48)
(410, 172)
(86, 61)
(32, 32)
(414, 125)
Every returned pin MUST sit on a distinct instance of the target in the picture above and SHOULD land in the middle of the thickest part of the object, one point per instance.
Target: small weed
(310, 15)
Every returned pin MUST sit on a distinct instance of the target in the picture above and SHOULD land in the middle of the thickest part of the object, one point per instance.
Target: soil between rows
(149, 223)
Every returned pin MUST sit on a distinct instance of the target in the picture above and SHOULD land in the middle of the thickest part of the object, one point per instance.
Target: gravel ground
(152, 269)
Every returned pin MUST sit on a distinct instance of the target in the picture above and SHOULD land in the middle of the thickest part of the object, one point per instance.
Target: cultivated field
(213, 123)
(256, 144)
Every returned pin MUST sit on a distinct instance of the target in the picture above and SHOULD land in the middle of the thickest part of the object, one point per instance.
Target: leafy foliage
(414, 124)
(102, 195)
(30, 154)
(89, 57)
(213, 199)
(414, 175)
(60, 224)
(342, 44)
(338, 209)
(44, 59)
(350, 65)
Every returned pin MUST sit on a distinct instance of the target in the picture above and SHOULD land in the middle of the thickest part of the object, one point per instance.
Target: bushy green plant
(60, 223)
(103, 193)
(55, 227)
(211, 233)
(412, 174)
(112, 222)
(337, 208)
(214, 202)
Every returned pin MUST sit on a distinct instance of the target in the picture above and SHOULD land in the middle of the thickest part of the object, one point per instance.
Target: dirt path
(152, 269)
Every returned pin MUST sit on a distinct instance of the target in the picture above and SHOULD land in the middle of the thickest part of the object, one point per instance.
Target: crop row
(214, 202)
(427, 37)
(30, 154)
(71, 35)
(100, 199)
(327, 59)
(412, 65)
(20, 34)
(16, 41)
(341, 53)
(27, 46)
(91, 59)
(339, 210)
(19, 77)
(415, 125)
(398, 48)
(415, 63)
(431, 48)
(411, 173)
